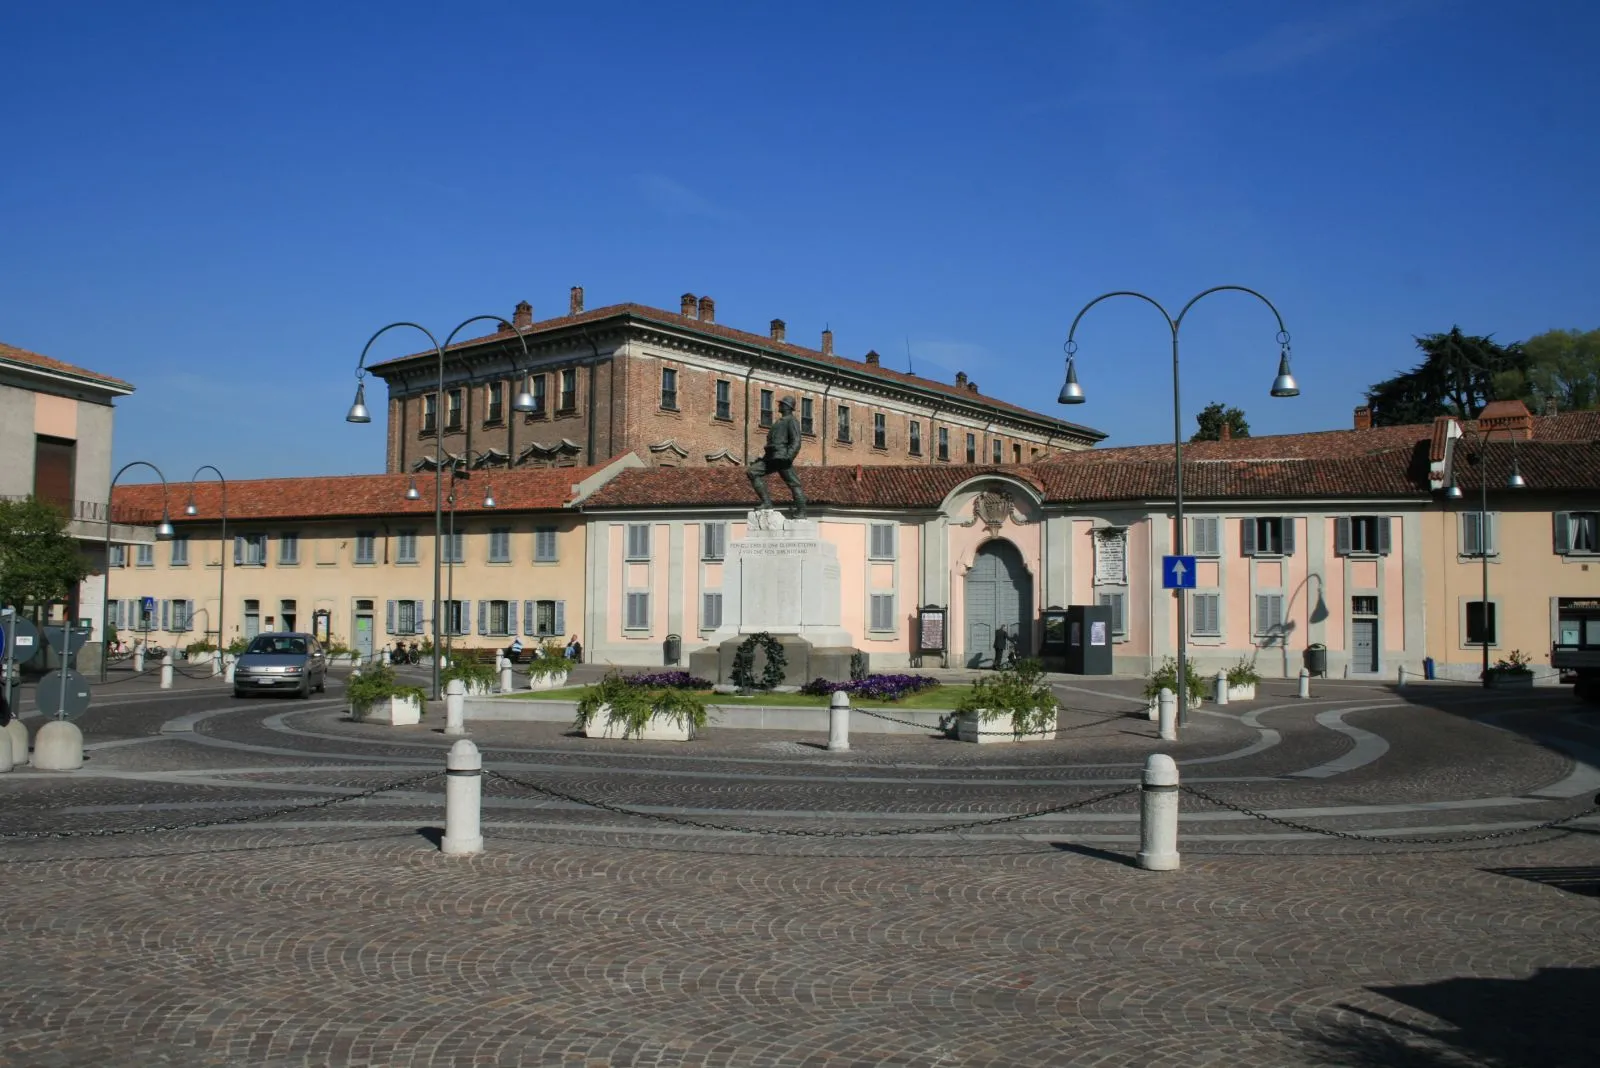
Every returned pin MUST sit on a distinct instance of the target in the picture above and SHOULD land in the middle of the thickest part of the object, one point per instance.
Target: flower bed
(675, 680)
(873, 687)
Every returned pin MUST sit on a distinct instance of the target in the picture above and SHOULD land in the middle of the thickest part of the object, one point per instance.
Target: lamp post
(1072, 393)
(358, 414)
(222, 553)
(163, 533)
(1479, 459)
(412, 494)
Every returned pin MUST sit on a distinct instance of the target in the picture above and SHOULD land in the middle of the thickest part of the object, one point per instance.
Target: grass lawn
(937, 698)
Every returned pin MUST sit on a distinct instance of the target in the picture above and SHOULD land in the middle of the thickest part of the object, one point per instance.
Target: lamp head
(1516, 481)
(164, 531)
(1454, 492)
(411, 491)
(488, 497)
(1284, 385)
(190, 509)
(358, 411)
(524, 400)
(1071, 392)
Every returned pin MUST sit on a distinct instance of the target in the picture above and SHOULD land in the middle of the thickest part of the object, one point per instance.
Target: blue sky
(221, 202)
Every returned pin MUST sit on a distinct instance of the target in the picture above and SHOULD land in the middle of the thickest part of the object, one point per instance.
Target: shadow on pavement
(1098, 854)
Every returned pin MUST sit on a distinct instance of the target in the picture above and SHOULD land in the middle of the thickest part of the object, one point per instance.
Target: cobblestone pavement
(300, 912)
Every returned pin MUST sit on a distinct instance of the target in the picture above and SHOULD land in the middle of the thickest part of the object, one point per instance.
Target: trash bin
(1316, 657)
(1427, 668)
(672, 649)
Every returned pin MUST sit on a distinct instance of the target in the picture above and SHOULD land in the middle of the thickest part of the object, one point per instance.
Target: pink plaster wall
(1239, 609)
(1082, 591)
(617, 606)
(660, 540)
(1393, 607)
(691, 580)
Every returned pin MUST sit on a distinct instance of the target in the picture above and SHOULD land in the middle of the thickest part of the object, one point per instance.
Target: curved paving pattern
(341, 936)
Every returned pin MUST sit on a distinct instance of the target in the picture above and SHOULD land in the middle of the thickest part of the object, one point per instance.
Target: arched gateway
(999, 599)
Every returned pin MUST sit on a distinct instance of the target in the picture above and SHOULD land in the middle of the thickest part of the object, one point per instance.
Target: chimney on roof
(961, 379)
(780, 330)
(1227, 432)
(972, 387)
(872, 358)
(708, 310)
(523, 315)
(1509, 420)
(827, 342)
(575, 301)
(686, 306)
(1364, 418)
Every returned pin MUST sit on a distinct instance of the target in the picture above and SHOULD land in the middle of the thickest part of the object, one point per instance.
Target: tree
(39, 560)
(1459, 374)
(1562, 370)
(1213, 417)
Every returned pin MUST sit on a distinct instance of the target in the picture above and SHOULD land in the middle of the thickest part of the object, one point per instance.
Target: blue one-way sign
(1177, 572)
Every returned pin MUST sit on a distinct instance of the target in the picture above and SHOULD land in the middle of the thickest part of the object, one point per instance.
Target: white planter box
(971, 728)
(396, 711)
(1247, 692)
(657, 730)
(548, 682)
(1153, 709)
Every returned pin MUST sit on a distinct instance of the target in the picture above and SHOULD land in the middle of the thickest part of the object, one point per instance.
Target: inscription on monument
(1111, 556)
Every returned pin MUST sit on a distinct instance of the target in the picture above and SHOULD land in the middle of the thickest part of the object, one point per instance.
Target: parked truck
(1576, 652)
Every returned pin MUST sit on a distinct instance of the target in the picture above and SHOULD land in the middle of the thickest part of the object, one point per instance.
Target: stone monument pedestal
(781, 578)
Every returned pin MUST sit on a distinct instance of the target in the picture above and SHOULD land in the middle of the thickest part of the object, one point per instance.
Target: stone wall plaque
(1111, 556)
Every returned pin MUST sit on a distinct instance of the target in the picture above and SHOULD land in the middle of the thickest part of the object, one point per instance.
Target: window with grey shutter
(1269, 614)
(288, 549)
(119, 556)
(710, 611)
(638, 616)
(713, 541)
(882, 617)
(455, 548)
(1205, 536)
(881, 544)
(405, 547)
(559, 615)
(366, 547)
(146, 556)
(1117, 602)
(1478, 534)
(638, 541)
(500, 545)
(544, 545)
(1205, 614)
(1577, 533)
(180, 551)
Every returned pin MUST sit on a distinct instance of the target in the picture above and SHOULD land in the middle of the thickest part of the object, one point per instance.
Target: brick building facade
(680, 389)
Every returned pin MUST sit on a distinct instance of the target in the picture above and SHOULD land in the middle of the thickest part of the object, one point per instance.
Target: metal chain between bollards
(154, 669)
(944, 726)
(1357, 836)
(221, 821)
(798, 832)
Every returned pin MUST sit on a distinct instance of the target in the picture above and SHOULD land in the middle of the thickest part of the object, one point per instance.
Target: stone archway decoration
(993, 508)
(744, 659)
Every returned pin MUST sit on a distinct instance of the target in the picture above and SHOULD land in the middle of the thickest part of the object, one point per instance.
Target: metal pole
(105, 576)
(66, 646)
(450, 562)
(222, 573)
(1177, 472)
(438, 518)
(1483, 555)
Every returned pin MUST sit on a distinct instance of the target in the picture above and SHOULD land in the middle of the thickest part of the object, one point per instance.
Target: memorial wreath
(744, 660)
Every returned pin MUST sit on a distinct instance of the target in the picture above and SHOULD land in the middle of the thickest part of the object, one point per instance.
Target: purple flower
(676, 680)
(873, 687)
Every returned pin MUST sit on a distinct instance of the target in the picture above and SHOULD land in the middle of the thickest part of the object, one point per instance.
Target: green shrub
(1518, 663)
(378, 683)
(630, 707)
(198, 649)
(237, 646)
(1243, 673)
(1019, 690)
(1166, 677)
(552, 660)
(335, 647)
(471, 672)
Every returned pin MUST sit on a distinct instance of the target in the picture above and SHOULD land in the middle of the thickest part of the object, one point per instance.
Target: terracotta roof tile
(334, 496)
(1545, 465)
(13, 354)
(762, 341)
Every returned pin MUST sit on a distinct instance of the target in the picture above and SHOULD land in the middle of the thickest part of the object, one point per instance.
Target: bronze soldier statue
(783, 444)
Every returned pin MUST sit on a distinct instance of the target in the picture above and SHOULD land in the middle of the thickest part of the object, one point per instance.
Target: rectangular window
(405, 551)
(807, 421)
(179, 616)
(713, 541)
(710, 611)
(880, 430)
(118, 557)
(1269, 615)
(669, 389)
(1364, 606)
(882, 614)
(998, 451)
(1205, 614)
(1480, 624)
(881, 542)
(408, 616)
(1271, 535)
(1016, 453)
(493, 401)
(544, 619)
(180, 551)
(1577, 533)
(288, 549)
(766, 407)
(250, 550)
(430, 413)
(287, 615)
(1478, 534)
(455, 547)
(495, 618)
(500, 545)
(914, 438)
(1117, 601)
(638, 611)
(638, 541)
(1361, 535)
(1205, 536)
(452, 410)
(145, 555)
(544, 545)
(569, 390)
(724, 399)
(944, 443)
(972, 449)
(538, 390)
(55, 466)
(844, 423)
(456, 615)
(366, 547)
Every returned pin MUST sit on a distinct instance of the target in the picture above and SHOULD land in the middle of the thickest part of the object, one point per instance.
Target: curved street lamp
(1283, 385)
(1479, 459)
(488, 502)
(358, 413)
(222, 570)
(163, 533)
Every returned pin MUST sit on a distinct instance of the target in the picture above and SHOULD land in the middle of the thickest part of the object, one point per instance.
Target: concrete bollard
(1167, 715)
(216, 662)
(1158, 814)
(166, 671)
(138, 660)
(1305, 683)
(6, 762)
(1400, 678)
(507, 685)
(19, 742)
(839, 722)
(455, 707)
(463, 799)
(230, 664)
(58, 746)
(1222, 687)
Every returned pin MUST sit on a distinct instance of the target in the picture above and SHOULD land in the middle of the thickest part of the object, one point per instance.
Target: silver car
(281, 662)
